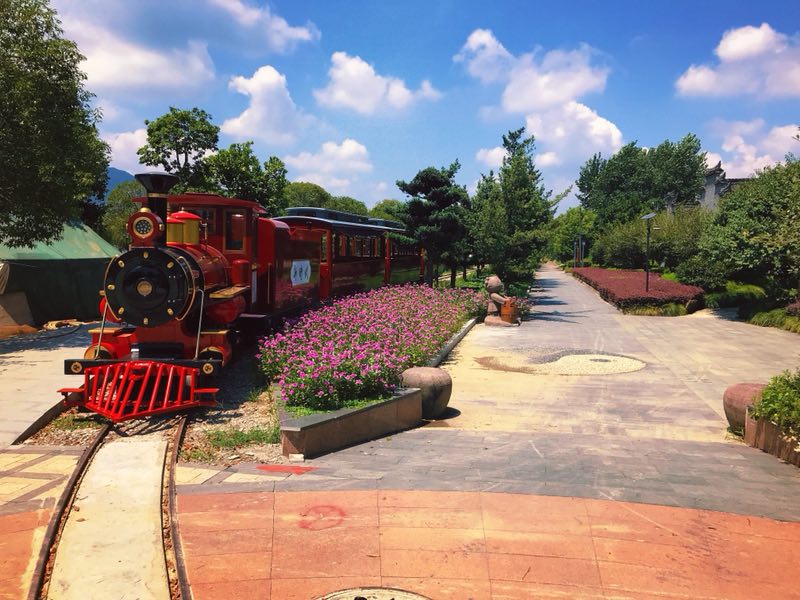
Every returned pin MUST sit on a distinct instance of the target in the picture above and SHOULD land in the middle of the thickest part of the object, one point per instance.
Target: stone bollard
(436, 386)
(737, 398)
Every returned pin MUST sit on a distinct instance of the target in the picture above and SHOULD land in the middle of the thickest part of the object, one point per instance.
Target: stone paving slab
(32, 372)
(458, 545)
(32, 478)
(111, 546)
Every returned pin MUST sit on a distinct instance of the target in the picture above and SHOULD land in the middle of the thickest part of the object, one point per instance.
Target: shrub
(735, 294)
(667, 310)
(358, 346)
(704, 273)
(793, 309)
(780, 402)
(625, 289)
(621, 246)
(777, 317)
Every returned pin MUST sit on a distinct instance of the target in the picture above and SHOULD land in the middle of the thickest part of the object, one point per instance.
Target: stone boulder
(436, 386)
(737, 398)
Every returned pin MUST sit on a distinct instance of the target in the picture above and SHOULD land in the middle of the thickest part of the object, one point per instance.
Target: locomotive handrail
(102, 330)
(199, 324)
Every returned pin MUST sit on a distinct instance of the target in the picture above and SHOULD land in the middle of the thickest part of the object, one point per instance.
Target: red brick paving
(17, 551)
(462, 545)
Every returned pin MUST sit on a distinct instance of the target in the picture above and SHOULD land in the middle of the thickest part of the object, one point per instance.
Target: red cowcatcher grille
(128, 390)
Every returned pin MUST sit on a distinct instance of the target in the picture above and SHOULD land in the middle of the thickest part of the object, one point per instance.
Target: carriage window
(234, 230)
(344, 245)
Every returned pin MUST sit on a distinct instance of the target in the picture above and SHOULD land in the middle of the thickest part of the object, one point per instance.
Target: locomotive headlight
(142, 227)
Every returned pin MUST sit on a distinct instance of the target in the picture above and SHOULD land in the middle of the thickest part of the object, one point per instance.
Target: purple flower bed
(625, 289)
(357, 347)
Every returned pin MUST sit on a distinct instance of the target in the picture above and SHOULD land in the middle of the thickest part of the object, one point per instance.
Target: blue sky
(355, 95)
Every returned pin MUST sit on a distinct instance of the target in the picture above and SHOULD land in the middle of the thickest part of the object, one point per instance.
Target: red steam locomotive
(202, 270)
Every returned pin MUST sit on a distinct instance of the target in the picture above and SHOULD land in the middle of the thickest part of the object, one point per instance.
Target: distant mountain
(115, 177)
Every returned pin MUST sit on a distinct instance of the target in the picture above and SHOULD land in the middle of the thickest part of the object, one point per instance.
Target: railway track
(118, 501)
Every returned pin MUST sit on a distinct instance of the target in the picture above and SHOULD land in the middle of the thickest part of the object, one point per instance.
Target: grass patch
(72, 420)
(777, 317)
(735, 294)
(234, 438)
(672, 309)
(202, 455)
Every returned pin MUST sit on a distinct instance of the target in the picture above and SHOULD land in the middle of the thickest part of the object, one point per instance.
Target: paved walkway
(32, 372)
(542, 482)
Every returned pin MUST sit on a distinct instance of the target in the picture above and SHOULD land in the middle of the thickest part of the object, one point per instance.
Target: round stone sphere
(436, 386)
(737, 398)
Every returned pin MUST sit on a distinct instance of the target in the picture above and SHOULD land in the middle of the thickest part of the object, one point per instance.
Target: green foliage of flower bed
(357, 347)
(780, 402)
(735, 294)
(777, 317)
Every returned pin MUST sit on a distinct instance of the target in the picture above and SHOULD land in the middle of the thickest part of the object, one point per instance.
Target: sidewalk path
(32, 372)
(586, 456)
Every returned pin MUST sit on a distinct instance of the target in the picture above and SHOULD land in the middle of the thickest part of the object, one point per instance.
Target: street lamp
(647, 218)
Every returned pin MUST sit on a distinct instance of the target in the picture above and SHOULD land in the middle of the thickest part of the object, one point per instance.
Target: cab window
(235, 226)
(209, 218)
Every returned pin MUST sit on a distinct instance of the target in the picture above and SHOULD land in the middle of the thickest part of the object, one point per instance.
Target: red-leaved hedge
(794, 309)
(625, 289)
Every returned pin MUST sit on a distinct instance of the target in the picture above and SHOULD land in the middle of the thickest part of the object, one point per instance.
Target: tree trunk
(429, 272)
(453, 274)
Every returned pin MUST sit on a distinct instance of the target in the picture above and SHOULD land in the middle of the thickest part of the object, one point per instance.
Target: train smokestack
(157, 186)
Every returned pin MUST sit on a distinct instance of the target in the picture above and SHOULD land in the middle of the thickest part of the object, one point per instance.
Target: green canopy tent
(54, 281)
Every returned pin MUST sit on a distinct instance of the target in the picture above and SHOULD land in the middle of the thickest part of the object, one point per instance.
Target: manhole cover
(373, 594)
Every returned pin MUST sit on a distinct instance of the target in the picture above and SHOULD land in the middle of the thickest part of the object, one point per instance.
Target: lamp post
(647, 219)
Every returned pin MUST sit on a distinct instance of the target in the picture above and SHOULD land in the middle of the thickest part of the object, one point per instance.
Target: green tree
(348, 204)
(437, 219)
(236, 172)
(755, 235)
(576, 224)
(394, 210)
(302, 193)
(51, 157)
(178, 141)
(119, 207)
(636, 180)
(488, 222)
(529, 209)
(274, 185)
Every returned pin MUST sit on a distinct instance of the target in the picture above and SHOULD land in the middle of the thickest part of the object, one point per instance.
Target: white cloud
(533, 81)
(749, 41)
(486, 58)
(114, 63)
(123, 150)
(558, 78)
(355, 85)
(547, 159)
(757, 61)
(272, 115)
(491, 157)
(335, 167)
(545, 87)
(279, 35)
(572, 132)
(747, 146)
